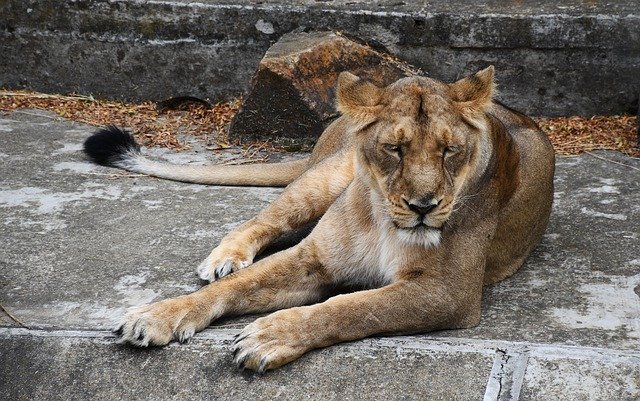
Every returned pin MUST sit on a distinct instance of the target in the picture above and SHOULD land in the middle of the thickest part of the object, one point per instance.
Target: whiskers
(406, 225)
(386, 211)
(462, 201)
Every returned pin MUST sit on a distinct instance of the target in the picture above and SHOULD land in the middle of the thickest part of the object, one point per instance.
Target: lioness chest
(357, 246)
(362, 253)
(369, 259)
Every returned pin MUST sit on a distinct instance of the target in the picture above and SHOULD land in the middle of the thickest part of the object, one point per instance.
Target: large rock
(292, 93)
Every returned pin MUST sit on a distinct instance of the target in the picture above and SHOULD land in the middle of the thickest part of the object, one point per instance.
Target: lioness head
(420, 142)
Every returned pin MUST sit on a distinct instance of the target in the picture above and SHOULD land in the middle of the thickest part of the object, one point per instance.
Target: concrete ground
(81, 243)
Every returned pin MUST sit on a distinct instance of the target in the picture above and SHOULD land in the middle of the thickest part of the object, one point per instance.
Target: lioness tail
(113, 147)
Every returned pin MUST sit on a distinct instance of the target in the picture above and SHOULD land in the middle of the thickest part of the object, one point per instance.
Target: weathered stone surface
(614, 377)
(551, 57)
(83, 367)
(292, 93)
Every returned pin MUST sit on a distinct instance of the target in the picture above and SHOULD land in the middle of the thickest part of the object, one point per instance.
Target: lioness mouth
(420, 234)
(417, 227)
(420, 226)
(423, 226)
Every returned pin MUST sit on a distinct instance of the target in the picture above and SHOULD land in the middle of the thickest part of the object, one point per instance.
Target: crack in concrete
(494, 385)
(507, 375)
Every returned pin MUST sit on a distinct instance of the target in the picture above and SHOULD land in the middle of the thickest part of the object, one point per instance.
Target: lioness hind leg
(304, 200)
(289, 278)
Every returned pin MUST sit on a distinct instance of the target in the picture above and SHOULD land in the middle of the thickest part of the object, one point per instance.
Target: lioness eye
(451, 150)
(393, 149)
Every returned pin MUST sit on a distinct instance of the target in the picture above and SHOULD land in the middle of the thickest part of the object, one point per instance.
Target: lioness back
(526, 215)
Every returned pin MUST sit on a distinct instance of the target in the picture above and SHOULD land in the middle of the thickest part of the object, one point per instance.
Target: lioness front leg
(303, 201)
(399, 308)
(288, 278)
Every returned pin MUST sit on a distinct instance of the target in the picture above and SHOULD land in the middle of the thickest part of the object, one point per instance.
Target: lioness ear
(475, 91)
(356, 97)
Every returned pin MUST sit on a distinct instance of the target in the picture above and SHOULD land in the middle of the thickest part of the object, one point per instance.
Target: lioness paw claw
(212, 268)
(151, 325)
(262, 346)
(224, 269)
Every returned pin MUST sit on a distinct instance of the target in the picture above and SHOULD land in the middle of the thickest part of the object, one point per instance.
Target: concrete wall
(550, 60)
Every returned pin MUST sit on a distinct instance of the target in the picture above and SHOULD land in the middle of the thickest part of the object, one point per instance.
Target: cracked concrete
(507, 375)
(81, 244)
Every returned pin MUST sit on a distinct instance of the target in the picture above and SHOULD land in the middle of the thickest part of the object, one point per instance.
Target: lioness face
(418, 145)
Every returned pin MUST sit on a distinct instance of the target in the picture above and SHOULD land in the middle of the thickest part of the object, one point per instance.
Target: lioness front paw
(270, 342)
(219, 264)
(159, 323)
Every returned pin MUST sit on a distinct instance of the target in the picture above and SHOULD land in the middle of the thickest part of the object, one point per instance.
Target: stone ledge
(550, 60)
(81, 362)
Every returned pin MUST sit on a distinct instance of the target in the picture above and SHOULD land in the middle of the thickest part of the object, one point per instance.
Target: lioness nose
(422, 206)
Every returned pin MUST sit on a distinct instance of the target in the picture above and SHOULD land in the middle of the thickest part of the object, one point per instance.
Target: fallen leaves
(569, 135)
(150, 126)
(575, 135)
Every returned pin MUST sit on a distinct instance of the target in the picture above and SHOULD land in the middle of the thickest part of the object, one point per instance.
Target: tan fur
(268, 175)
(426, 191)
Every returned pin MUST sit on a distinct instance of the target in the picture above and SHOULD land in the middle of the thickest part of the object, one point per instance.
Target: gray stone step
(77, 365)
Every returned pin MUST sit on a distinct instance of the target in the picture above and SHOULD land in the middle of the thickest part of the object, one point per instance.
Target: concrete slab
(81, 243)
(97, 369)
(570, 379)
(99, 235)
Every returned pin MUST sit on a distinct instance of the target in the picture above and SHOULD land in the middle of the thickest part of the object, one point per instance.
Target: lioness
(426, 191)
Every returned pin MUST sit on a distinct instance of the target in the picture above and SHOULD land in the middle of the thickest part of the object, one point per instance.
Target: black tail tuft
(110, 145)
